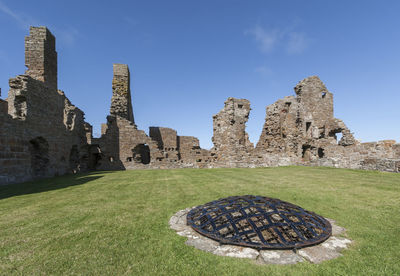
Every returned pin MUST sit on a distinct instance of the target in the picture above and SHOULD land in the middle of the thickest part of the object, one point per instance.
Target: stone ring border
(327, 250)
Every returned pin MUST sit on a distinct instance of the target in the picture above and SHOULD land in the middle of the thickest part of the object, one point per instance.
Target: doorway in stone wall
(141, 154)
(306, 153)
(74, 159)
(39, 151)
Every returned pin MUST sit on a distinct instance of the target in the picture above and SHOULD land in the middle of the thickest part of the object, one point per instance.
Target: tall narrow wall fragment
(121, 103)
(231, 142)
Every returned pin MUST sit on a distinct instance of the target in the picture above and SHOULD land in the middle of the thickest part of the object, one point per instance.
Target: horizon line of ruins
(44, 134)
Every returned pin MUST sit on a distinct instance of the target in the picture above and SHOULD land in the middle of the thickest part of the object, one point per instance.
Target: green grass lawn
(117, 222)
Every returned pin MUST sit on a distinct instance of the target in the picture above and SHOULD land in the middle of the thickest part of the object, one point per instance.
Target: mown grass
(117, 222)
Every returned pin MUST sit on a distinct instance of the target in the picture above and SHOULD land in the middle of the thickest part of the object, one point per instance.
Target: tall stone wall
(302, 130)
(43, 134)
(123, 146)
(41, 56)
(121, 104)
(231, 141)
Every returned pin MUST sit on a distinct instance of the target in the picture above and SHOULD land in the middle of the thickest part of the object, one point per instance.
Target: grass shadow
(48, 184)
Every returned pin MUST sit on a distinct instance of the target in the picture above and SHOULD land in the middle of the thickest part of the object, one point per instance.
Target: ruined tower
(41, 56)
(303, 126)
(121, 105)
(316, 106)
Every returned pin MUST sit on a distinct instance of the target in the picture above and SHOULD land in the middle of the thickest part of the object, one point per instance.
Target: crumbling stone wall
(123, 146)
(231, 141)
(42, 133)
(192, 155)
(302, 130)
(121, 98)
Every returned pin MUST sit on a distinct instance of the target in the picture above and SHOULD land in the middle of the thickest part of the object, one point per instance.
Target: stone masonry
(121, 99)
(43, 134)
(231, 141)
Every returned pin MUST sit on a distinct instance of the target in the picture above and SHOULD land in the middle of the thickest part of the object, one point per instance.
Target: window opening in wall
(20, 107)
(287, 105)
(321, 152)
(39, 151)
(308, 124)
(240, 106)
(322, 132)
(323, 94)
(70, 120)
(339, 136)
(129, 159)
(306, 154)
(111, 159)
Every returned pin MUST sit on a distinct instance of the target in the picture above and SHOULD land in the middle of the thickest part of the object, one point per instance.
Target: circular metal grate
(259, 222)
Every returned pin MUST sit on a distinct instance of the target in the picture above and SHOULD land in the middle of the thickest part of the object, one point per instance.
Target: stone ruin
(43, 134)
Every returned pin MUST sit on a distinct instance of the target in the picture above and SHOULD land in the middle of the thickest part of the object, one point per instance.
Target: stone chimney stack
(41, 56)
(121, 104)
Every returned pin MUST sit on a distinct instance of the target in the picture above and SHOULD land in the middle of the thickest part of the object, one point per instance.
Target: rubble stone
(282, 257)
(318, 254)
(236, 251)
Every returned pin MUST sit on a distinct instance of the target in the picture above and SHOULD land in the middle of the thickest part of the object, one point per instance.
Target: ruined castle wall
(123, 146)
(316, 104)
(189, 148)
(302, 130)
(167, 141)
(42, 133)
(381, 155)
(231, 142)
(14, 151)
(192, 155)
(165, 137)
(282, 128)
(136, 148)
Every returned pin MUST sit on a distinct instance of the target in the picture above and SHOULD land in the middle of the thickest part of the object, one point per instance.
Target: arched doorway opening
(39, 150)
(74, 164)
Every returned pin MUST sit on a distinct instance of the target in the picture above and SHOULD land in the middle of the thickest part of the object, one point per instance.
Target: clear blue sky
(186, 57)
